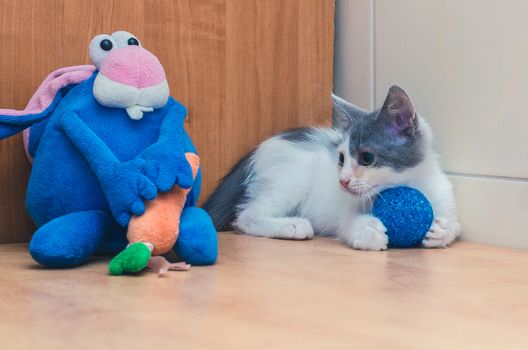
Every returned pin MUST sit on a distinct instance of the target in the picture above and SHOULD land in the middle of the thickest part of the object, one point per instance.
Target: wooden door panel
(245, 69)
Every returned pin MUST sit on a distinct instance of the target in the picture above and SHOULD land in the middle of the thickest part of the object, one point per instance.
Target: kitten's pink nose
(133, 66)
(344, 183)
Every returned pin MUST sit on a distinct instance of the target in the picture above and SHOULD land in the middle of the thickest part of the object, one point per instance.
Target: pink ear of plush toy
(48, 89)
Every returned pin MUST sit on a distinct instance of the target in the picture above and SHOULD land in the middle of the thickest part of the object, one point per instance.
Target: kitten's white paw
(367, 233)
(442, 233)
(293, 228)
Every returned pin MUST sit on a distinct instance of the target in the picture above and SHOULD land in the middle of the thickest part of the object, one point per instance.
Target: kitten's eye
(366, 158)
(341, 159)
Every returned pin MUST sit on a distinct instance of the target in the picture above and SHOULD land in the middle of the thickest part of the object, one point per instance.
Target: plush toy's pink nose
(133, 66)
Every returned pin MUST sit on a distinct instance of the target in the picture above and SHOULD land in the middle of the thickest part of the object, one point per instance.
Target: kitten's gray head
(379, 146)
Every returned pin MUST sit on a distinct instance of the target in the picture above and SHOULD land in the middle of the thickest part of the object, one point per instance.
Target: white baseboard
(493, 211)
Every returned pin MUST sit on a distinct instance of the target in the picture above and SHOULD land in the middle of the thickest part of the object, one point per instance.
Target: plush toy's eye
(100, 47)
(106, 45)
(124, 39)
(366, 158)
(341, 159)
(133, 41)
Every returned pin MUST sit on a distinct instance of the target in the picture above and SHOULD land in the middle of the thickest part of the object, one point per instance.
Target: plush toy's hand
(167, 167)
(127, 188)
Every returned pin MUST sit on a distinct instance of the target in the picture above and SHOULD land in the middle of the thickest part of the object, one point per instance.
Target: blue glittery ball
(406, 214)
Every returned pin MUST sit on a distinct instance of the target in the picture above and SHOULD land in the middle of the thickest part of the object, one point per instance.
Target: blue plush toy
(406, 214)
(105, 141)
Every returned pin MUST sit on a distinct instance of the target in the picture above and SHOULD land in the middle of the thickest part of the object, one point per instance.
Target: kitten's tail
(222, 204)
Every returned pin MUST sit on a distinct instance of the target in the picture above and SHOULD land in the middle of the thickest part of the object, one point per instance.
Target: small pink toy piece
(161, 265)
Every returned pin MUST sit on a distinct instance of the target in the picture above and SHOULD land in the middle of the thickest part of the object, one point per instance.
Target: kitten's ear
(398, 113)
(344, 113)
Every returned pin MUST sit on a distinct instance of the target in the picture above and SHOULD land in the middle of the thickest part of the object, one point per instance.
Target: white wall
(465, 65)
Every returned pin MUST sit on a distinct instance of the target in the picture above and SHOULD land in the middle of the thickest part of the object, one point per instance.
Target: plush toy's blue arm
(166, 162)
(192, 197)
(13, 123)
(124, 184)
(171, 129)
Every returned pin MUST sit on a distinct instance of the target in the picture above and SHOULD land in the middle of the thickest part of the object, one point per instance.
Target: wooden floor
(272, 294)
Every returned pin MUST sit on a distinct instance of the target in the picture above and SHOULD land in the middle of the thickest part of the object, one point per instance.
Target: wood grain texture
(279, 69)
(275, 294)
(245, 69)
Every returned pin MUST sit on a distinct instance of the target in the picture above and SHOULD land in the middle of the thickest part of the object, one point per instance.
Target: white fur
(288, 178)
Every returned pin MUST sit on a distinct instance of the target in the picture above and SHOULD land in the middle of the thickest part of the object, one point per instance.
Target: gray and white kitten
(323, 180)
